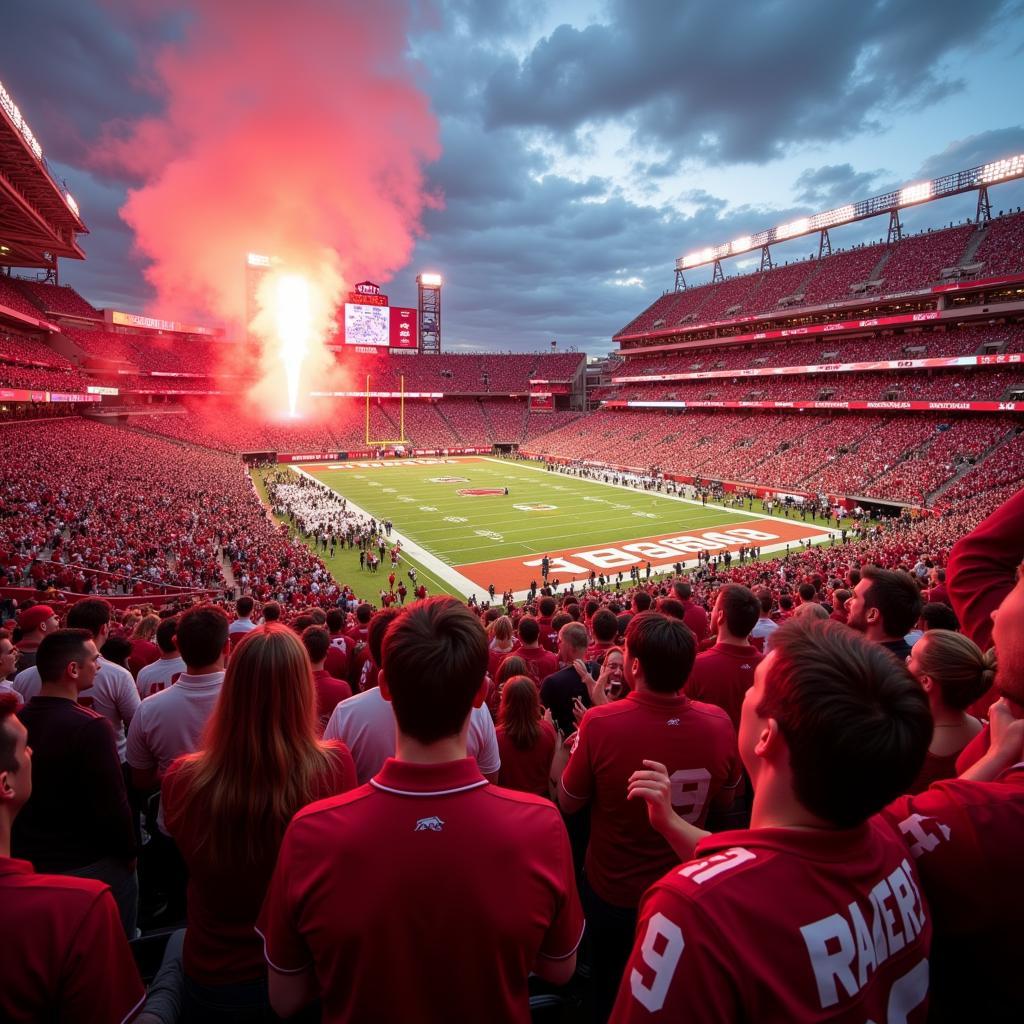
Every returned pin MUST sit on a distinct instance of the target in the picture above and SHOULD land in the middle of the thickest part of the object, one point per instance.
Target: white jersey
(365, 723)
(158, 675)
(112, 695)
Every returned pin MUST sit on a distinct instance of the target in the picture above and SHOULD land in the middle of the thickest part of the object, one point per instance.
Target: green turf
(461, 530)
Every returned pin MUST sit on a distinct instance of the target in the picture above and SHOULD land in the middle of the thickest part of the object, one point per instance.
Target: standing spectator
(366, 722)
(526, 741)
(760, 635)
(65, 952)
(143, 651)
(605, 628)
(337, 661)
(344, 936)
(953, 672)
(227, 806)
(171, 722)
(770, 923)
(697, 742)
(723, 674)
(693, 615)
(884, 607)
(243, 619)
(34, 623)
(502, 643)
(78, 821)
(541, 663)
(163, 672)
(560, 689)
(8, 661)
(330, 692)
(112, 693)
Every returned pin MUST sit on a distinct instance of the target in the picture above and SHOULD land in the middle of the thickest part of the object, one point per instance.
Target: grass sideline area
(485, 536)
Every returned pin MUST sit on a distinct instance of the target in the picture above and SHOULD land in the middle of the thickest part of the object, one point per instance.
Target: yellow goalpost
(382, 442)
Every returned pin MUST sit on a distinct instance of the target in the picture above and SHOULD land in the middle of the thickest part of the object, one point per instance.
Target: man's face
(16, 785)
(8, 658)
(751, 723)
(88, 666)
(856, 613)
(1008, 639)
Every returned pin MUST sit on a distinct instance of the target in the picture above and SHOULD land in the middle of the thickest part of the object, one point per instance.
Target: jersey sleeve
(679, 968)
(483, 742)
(138, 753)
(578, 777)
(127, 697)
(100, 982)
(283, 945)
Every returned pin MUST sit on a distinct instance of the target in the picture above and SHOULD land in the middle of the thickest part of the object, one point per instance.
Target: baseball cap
(33, 617)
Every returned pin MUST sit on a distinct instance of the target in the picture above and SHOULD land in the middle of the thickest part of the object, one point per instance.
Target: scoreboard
(370, 322)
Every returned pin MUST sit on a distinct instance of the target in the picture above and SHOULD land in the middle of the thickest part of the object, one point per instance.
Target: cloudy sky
(566, 152)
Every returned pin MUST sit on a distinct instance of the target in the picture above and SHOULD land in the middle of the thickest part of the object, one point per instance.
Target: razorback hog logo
(431, 824)
(477, 491)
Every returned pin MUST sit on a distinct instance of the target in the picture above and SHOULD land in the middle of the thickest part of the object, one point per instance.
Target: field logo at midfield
(475, 492)
(535, 506)
(448, 480)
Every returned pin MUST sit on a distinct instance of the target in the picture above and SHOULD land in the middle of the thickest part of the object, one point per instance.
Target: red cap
(32, 618)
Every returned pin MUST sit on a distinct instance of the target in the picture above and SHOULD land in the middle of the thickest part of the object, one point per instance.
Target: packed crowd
(314, 804)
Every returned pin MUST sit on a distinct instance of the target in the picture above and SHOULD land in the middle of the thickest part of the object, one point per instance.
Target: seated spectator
(526, 739)
(954, 673)
(723, 674)
(884, 607)
(227, 805)
(65, 953)
(330, 692)
(166, 670)
(78, 821)
(366, 722)
(625, 854)
(831, 729)
(345, 936)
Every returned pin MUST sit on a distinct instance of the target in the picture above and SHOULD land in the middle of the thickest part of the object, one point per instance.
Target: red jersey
(783, 925)
(722, 676)
(330, 692)
(697, 619)
(365, 893)
(527, 770)
(696, 743)
(967, 839)
(224, 899)
(337, 661)
(65, 953)
(541, 663)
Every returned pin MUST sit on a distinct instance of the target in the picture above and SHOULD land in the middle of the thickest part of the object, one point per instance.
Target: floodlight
(830, 218)
(430, 280)
(999, 169)
(916, 193)
(740, 244)
(254, 259)
(795, 227)
(72, 205)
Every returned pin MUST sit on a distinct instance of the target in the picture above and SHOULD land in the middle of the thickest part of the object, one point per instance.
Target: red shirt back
(783, 925)
(390, 894)
(527, 770)
(540, 662)
(330, 692)
(722, 676)
(697, 619)
(696, 742)
(65, 953)
(224, 899)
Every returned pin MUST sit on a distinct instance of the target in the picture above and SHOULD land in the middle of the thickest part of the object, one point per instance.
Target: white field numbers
(690, 788)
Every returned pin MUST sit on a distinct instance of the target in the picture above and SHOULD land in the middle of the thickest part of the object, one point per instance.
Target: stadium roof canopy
(979, 178)
(38, 217)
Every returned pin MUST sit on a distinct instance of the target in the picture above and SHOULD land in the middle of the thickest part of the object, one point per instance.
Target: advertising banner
(885, 406)
(404, 333)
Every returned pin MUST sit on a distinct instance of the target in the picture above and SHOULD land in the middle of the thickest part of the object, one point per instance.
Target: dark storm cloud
(975, 150)
(834, 185)
(740, 83)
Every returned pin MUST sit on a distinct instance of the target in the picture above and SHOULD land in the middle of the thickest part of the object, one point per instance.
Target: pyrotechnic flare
(293, 315)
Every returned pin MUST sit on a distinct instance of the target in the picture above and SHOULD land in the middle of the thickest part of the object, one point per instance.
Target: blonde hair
(501, 629)
(957, 665)
(145, 629)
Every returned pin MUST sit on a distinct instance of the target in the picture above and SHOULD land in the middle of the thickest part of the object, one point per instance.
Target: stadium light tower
(429, 286)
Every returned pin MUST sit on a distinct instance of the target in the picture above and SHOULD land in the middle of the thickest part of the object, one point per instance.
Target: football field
(455, 519)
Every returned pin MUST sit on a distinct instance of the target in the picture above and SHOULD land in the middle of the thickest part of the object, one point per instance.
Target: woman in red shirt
(227, 806)
(526, 741)
(954, 673)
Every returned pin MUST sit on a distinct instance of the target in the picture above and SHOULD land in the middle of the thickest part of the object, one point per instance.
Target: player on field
(416, 926)
(814, 913)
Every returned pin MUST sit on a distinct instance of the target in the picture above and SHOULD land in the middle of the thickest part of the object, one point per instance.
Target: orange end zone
(662, 551)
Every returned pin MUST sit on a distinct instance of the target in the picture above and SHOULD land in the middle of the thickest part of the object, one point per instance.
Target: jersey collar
(649, 699)
(815, 844)
(14, 866)
(408, 779)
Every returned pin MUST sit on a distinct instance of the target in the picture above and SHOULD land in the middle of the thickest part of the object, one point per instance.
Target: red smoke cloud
(293, 129)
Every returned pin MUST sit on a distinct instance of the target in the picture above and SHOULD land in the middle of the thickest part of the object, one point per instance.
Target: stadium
(784, 429)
